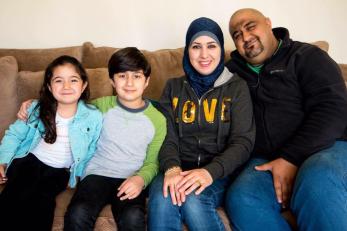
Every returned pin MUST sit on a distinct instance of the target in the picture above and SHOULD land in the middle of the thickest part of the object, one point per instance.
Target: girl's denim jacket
(84, 131)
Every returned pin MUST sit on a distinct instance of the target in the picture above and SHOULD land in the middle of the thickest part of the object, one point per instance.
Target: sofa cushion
(165, 64)
(343, 68)
(94, 57)
(8, 93)
(99, 83)
(322, 45)
(29, 84)
(38, 59)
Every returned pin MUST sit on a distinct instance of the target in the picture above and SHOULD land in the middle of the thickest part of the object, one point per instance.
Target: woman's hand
(23, 110)
(194, 179)
(171, 179)
(3, 177)
(131, 188)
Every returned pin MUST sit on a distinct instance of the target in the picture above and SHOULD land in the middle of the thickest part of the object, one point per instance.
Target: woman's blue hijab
(199, 27)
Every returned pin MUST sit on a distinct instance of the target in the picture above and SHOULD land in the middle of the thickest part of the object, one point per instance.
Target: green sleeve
(104, 103)
(150, 166)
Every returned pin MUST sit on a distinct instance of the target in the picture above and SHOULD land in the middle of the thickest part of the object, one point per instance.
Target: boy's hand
(283, 173)
(131, 188)
(23, 110)
(171, 179)
(196, 179)
(3, 177)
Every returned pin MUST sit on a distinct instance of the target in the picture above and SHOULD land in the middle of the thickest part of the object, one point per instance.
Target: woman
(210, 134)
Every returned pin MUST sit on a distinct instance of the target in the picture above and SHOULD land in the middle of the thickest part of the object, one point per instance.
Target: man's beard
(254, 49)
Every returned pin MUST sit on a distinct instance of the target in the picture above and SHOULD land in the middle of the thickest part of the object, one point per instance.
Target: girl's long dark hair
(47, 104)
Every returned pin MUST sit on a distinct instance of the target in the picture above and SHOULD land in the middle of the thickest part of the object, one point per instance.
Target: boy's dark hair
(128, 59)
(47, 104)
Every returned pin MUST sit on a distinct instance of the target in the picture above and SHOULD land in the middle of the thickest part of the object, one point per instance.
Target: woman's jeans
(198, 212)
(319, 199)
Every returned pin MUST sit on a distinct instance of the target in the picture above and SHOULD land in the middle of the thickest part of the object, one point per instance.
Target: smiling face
(204, 54)
(130, 86)
(252, 35)
(66, 84)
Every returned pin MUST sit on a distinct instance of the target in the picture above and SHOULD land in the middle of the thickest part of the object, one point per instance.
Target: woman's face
(204, 54)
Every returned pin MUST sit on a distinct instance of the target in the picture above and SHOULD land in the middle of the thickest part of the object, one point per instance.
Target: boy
(125, 160)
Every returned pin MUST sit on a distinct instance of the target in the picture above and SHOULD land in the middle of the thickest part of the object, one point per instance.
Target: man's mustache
(249, 43)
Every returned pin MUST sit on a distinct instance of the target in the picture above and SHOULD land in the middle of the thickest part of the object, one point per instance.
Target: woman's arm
(242, 135)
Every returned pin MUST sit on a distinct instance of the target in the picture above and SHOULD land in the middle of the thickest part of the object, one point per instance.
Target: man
(300, 107)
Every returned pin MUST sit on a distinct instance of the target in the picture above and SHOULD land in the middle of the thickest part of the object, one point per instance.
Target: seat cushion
(8, 93)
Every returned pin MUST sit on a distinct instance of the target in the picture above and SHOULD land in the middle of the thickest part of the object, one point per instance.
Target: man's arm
(325, 104)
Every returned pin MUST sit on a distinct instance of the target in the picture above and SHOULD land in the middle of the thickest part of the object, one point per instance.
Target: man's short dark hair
(128, 59)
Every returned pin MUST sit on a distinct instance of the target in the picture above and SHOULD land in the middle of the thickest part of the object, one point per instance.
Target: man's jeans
(198, 212)
(319, 199)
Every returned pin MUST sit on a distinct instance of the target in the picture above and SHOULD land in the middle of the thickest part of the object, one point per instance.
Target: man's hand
(23, 110)
(130, 188)
(194, 179)
(171, 179)
(3, 177)
(283, 173)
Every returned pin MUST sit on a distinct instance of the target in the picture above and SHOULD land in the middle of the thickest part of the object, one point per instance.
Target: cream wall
(158, 24)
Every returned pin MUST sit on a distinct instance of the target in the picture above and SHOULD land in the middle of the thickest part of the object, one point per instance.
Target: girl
(40, 157)
(210, 134)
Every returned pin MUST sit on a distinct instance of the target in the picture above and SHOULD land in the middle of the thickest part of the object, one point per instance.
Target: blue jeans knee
(320, 194)
(251, 201)
(196, 211)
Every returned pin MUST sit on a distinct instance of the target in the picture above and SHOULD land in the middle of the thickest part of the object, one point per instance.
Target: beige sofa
(21, 74)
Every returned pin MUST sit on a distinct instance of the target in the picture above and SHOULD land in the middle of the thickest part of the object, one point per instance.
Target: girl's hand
(194, 179)
(131, 188)
(23, 110)
(171, 179)
(3, 177)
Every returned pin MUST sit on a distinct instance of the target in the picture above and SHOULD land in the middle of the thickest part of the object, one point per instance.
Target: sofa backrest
(38, 59)
(8, 92)
(343, 68)
(165, 64)
(22, 74)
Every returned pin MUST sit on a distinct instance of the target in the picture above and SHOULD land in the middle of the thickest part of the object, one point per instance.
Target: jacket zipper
(263, 114)
(198, 114)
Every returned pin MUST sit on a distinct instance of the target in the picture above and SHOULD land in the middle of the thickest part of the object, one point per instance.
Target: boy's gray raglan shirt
(125, 139)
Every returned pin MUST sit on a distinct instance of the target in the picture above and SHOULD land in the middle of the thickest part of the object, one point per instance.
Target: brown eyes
(61, 80)
(210, 46)
(136, 76)
(236, 36)
(250, 27)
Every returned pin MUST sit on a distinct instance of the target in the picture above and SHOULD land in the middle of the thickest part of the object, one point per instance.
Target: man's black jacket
(299, 99)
